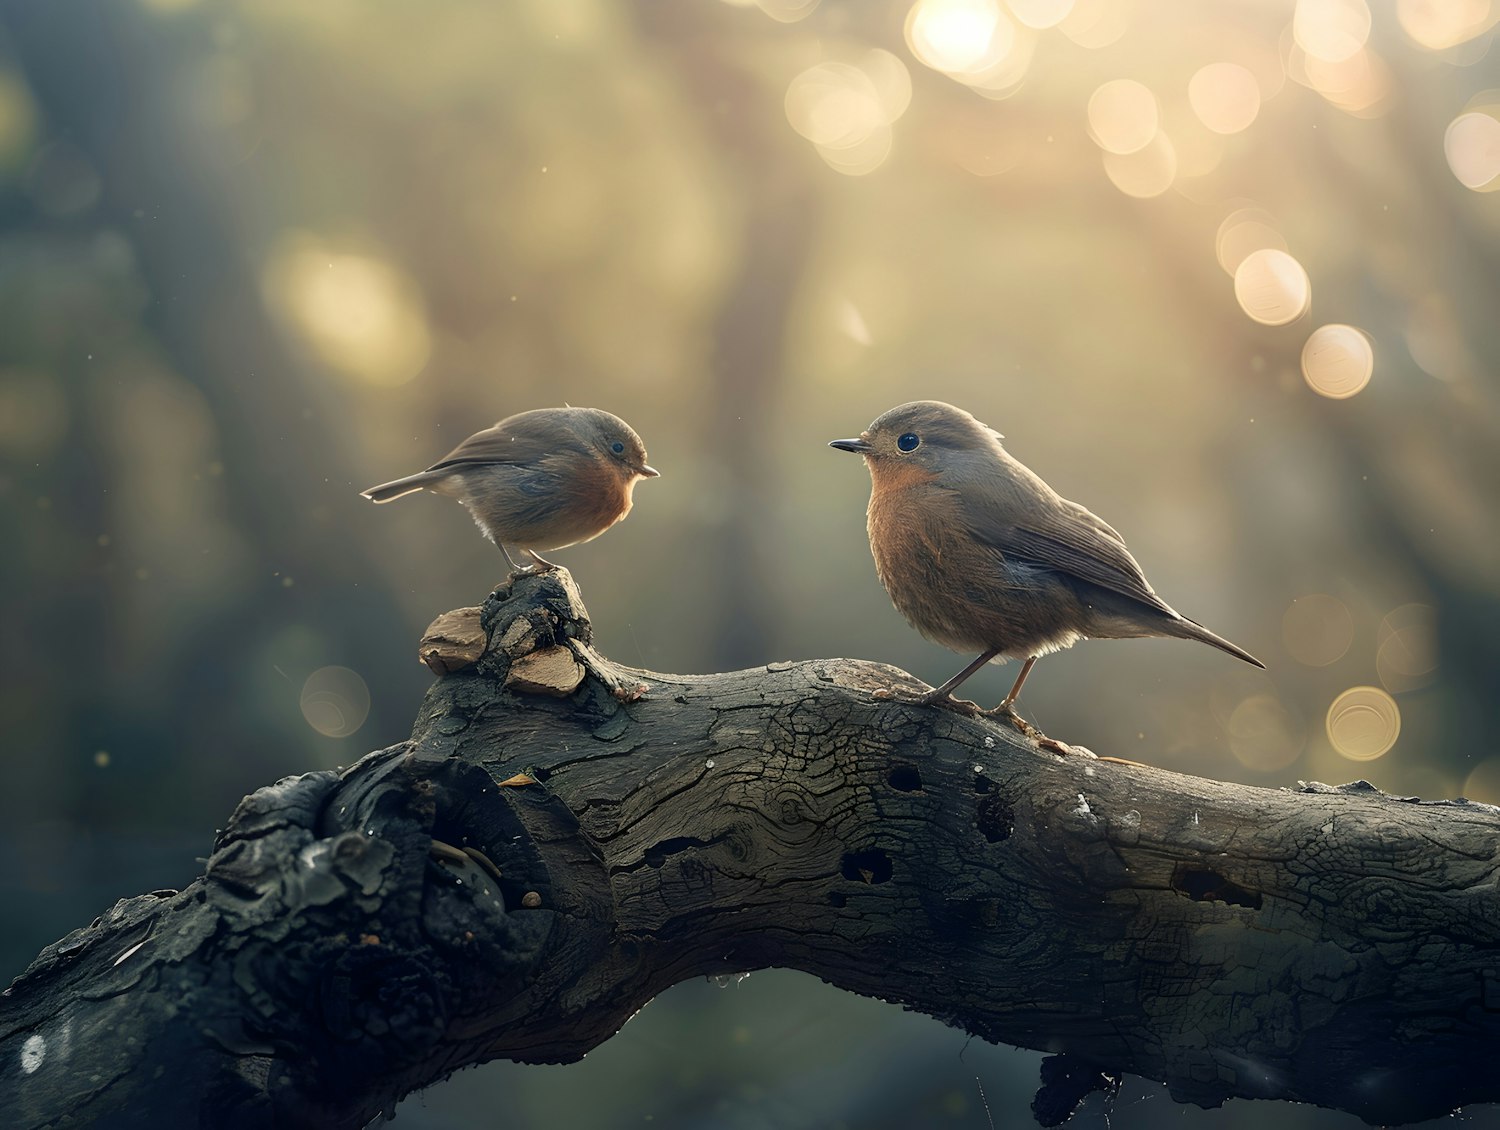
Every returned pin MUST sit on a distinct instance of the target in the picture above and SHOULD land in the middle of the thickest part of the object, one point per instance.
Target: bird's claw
(933, 698)
(1063, 749)
(1005, 712)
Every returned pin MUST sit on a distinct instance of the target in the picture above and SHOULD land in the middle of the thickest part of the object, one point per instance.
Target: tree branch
(538, 861)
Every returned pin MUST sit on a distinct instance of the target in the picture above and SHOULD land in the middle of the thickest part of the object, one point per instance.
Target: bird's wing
(1068, 538)
(502, 444)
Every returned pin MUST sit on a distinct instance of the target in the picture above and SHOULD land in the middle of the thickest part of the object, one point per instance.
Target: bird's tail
(399, 488)
(1186, 629)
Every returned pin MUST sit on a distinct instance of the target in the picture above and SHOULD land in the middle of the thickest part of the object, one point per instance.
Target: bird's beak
(860, 446)
(649, 472)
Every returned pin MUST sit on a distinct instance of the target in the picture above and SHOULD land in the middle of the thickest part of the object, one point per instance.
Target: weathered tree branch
(531, 867)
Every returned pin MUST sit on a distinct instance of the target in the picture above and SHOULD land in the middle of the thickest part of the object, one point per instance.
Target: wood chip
(453, 641)
(552, 670)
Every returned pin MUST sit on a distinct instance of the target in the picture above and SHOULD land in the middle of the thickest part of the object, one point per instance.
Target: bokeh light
(1472, 146)
(959, 37)
(1123, 116)
(973, 42)
(1359, 84)
(1264, 735)
(1406, 655)
(1225, 96)
(1145, 172)
(358, 311)
(846, 111)
(1096, 24)
(335, 701)
(1317, 629)
(1331, 30)
(1435, 339)
(1337, 361)
(1243, 231)
(1483, 782)
(1363, 723)
(1440, 24)
(1040, 14)
(787, 11)
(1272, 287)
(852, 323)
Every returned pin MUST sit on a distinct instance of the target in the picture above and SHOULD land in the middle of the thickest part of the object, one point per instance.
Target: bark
(535, 864)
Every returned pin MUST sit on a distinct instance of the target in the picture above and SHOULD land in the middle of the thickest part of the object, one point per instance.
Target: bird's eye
(908, 441)
(617, 447)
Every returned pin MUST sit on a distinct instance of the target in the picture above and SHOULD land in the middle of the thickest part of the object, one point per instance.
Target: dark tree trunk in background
(779, 220)
(549, 851)
(112, 82)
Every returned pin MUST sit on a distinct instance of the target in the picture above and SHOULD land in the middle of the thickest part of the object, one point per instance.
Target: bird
(538, 480)
(981, 555)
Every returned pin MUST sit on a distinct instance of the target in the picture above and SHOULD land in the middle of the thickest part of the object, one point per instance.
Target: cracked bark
(1335, 946)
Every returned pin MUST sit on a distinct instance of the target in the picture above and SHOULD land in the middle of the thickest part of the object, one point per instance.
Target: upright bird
(538, 480)
(980, 555)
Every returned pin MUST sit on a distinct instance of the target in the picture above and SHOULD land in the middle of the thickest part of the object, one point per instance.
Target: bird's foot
(1005, 712)
(1063, 749)
(936, 697)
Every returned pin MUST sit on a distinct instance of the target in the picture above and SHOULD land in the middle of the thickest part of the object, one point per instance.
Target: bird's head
(611, 437)
(925, 435)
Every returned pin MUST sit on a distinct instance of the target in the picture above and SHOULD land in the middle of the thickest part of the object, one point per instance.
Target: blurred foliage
(258, 254)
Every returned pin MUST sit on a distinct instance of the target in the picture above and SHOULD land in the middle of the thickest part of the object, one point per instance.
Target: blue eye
(617, 447)
(908, 441)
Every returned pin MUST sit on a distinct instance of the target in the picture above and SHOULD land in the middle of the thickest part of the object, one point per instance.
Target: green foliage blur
(256, 255)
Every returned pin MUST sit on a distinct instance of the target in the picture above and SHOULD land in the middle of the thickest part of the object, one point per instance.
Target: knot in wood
(534, 610)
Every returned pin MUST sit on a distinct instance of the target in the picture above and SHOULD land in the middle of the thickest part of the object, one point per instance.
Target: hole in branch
(996, 819)
(982, 784)
(1203, 885)
(905, 779)
(872, 866)
(659, 852)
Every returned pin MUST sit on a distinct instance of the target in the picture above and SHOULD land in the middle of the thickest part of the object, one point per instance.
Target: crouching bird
(538, 480)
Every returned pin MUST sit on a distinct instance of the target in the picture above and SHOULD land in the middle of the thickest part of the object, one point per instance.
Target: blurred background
(1227, 273)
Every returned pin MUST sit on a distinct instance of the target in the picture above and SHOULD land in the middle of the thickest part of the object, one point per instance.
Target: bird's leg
(542, 564)
(1015, 690)
(1007, 709)
(944, 692)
